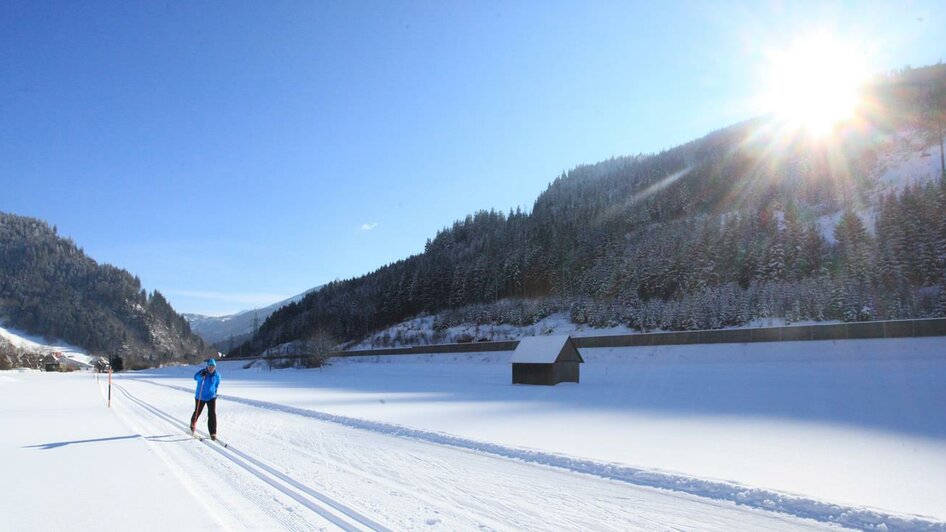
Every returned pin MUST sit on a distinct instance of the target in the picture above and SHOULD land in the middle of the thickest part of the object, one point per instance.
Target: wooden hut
(100, 364)
(545, 360)
(51, 362)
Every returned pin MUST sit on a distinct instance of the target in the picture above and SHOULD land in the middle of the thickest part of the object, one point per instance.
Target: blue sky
(232, 154)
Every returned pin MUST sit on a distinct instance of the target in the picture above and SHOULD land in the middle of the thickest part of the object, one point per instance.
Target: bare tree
(317, 348)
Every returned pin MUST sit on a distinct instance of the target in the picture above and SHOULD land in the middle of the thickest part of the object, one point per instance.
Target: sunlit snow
(735, 436)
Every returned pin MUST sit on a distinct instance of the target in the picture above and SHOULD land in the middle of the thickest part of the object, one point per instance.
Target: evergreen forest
(50, 288)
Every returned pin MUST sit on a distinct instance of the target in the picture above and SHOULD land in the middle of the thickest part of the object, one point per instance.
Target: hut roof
(543, 349)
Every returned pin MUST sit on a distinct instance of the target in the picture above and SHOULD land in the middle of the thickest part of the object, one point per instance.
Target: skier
(207, 381)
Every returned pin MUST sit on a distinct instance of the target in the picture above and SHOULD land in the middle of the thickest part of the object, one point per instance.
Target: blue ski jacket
(206, 385)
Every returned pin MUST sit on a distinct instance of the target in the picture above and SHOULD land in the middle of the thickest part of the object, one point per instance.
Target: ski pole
(200, 393)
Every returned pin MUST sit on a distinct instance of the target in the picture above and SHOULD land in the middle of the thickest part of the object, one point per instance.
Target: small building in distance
(100, 364)
(546, 360)
(51, 362)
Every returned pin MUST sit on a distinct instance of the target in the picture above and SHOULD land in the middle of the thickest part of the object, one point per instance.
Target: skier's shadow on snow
(54, 445)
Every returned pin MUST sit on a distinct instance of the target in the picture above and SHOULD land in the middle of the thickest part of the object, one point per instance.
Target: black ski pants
(211, 414)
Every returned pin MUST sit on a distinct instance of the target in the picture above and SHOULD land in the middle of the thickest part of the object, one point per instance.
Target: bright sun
(816, 84)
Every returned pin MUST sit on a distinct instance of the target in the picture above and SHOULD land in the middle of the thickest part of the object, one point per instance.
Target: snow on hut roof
(539, 349)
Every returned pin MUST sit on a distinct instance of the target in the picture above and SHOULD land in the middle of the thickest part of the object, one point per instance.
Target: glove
(203, 373)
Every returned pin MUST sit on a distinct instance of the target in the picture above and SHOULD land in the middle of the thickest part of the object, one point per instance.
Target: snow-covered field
(722, 437)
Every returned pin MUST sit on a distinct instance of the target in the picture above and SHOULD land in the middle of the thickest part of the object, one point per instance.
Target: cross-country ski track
(299, 473)
(333, 511)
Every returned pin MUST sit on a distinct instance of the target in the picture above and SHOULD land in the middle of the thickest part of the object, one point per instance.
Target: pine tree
(854, 246)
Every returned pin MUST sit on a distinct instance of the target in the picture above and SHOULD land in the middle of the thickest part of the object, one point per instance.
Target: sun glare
(816, 84)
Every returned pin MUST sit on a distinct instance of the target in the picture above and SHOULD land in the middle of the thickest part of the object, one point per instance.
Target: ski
(199, 437)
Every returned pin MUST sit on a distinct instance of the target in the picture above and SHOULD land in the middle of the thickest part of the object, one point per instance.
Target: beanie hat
(211, 362)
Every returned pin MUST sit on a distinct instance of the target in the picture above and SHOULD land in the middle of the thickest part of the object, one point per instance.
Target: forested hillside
(49, 287)
(750, 221)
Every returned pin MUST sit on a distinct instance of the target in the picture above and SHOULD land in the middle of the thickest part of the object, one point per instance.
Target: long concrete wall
(839, 331)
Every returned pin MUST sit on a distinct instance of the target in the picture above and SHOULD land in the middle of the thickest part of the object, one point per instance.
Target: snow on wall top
(539, 349)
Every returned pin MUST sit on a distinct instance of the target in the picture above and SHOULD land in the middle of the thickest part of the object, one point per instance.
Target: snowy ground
(751, 437)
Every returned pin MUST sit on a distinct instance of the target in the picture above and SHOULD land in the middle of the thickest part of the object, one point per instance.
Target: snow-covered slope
(904, 160)
(240, 325)
(36, 345)
(421, 331)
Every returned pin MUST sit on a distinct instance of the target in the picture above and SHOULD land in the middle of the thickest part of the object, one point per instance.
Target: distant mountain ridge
(220, 330)
(749, 222)
(50, 288)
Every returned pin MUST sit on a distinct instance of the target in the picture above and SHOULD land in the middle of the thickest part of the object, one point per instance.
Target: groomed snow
(722, 437)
